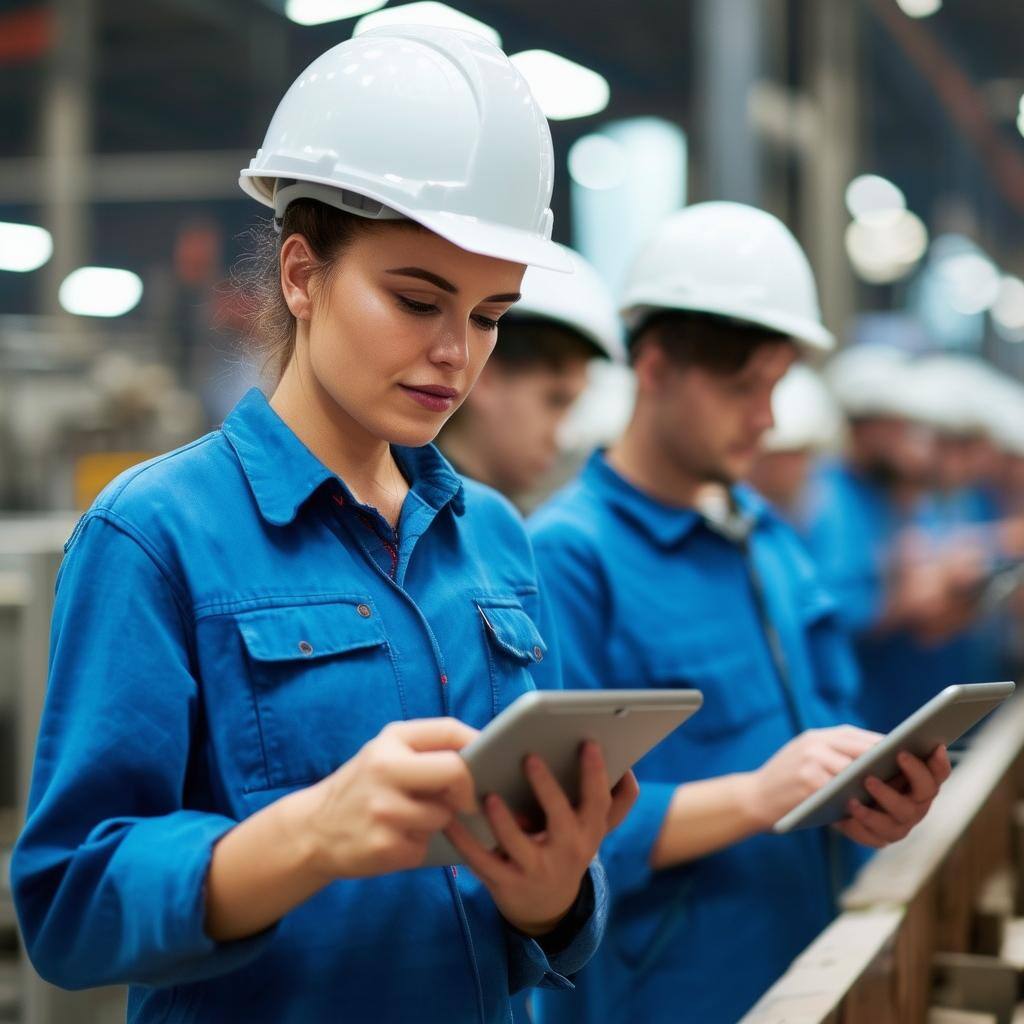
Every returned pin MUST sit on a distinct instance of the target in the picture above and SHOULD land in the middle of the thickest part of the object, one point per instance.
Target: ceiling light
(886, 250)
(563, 88)
(100, 291)
(597, 162)
(871, 196)
(919, 8)
(426, 12)
(24, 247)
(1008, 310)
(319, 12)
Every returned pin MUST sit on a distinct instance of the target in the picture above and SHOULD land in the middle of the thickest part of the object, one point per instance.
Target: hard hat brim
(804, 332)
(477, 236)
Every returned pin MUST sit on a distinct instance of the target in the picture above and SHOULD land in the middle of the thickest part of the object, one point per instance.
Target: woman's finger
(595, 789)
(518, 846)
(490, 867)
(550, 795)
(435, 772)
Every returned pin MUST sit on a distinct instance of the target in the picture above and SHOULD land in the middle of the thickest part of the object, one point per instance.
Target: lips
(435, 397)
(438, 390)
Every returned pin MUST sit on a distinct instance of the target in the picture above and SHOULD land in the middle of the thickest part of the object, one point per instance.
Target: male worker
(662, 571)
(871, 525)
(506, 433)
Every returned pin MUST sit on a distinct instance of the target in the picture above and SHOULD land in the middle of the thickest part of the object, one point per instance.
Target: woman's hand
(898, 807)
(801, 768)
(535, 878)
(377, 812)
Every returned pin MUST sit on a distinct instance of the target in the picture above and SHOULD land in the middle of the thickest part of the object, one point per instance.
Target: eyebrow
(447, 286)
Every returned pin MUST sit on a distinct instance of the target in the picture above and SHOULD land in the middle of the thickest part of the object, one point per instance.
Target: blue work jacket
(230, 624)
(645, 595)
(852, 526)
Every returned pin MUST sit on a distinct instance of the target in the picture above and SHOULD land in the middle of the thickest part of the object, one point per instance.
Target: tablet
(554, 724)
(942, 720)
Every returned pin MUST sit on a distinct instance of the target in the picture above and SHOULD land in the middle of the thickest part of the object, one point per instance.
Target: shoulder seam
(132, 532)
(153, 463)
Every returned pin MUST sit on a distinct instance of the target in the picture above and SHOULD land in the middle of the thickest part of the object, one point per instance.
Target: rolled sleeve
(109, 873)
(626, 852)
(530, 965)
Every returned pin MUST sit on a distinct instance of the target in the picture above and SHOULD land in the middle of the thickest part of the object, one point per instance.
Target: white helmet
(957, 392)
(728, 260)
(873, 380)
(417, 122)
(805, 414)
(580, 300)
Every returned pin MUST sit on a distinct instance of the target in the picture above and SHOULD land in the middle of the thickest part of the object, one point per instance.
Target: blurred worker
(664, 571)
(872, 534)
(506, 433)
(268, 645)
(806, 423)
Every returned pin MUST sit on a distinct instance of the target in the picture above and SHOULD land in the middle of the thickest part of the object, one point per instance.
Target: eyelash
(485, 323)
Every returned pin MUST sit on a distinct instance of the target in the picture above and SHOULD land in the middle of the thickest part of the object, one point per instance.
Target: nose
(762, 418)
(451, 347)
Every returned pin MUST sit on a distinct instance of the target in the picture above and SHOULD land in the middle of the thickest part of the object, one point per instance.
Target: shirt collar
(666, 525)
(283, 473)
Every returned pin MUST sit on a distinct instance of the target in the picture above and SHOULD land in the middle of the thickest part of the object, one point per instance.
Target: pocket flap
(310, 631)
(511, 630)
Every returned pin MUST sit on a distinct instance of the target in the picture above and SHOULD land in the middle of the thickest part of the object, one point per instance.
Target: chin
(406, 432)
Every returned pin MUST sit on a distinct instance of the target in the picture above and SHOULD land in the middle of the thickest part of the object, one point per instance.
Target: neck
(647, 464)
(361, 459)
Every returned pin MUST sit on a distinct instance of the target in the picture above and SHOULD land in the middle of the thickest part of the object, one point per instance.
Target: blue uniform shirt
(645, 595)
(852, 526)
(231, 624)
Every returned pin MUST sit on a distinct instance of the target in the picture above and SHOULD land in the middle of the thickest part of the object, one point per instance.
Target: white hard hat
(873, 380)
(728, 260)
(412, 121)
(580, 300)
(805, 413)
(955, 392)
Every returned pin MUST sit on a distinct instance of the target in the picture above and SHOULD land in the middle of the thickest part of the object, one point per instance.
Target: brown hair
(530, 343)
(329, 232)
(716, 344)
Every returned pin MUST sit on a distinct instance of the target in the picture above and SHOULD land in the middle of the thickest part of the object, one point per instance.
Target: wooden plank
(816, 983)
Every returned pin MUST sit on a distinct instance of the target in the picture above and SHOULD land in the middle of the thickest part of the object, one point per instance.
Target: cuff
(551, 962)
(160, 870)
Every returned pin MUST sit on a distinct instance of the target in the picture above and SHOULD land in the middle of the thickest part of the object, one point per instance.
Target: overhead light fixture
(597, 162)
(972, 281)
(919, 8)
(1008, 310)
(884, 250)
(100, 291)
(563, 88)
(426, 12)
(24, 247)
(872, 197)
(319, 12)
(1020, 116)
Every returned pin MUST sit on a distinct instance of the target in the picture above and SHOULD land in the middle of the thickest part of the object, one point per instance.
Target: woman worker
(268, 645)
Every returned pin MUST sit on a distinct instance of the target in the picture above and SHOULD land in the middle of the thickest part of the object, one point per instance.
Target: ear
(297, 265)
(651, 366)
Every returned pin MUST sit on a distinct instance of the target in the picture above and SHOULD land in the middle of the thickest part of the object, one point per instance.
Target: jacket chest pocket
(728, 669)
(514, 645)
(323, 683)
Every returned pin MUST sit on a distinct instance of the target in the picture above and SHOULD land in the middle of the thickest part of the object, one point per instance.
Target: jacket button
(306, 647)
(364, 610)
(537, 654)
